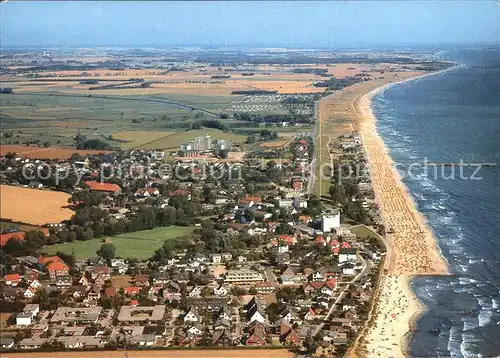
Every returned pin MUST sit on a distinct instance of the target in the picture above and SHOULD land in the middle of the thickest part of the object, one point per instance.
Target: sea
(448, 117)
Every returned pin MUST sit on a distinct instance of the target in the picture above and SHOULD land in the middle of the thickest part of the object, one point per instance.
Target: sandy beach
(412, 249)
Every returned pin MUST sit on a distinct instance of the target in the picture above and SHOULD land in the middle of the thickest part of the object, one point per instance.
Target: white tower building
(330, 220)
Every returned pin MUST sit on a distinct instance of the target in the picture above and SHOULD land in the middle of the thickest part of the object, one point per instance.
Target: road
(312, 165)
(364, 271)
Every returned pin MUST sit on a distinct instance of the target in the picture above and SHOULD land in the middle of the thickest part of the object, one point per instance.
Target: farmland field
(45, 153)
(140, 245)
(53, 109)
(170, 140)
(33, 206)
(275, 144)
(175, 140)
(134, 139)
(57, 117)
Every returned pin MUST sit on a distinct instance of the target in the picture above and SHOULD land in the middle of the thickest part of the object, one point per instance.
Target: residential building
(347, 255)
(256, 334)
(25, 318)
(221, 338)
(57, 269)
(103, 187)
(32, 343)
(265, 287)
(310, 315)
(221, 290)
(243, 276)
(218, 258)
(196, 329)
(12, 279)
(133, 314)
(17, 236)
(195, 292)
(76, 315)
(192, 315)
(254, 311)
(329, 221)
(172, 291)
(223, 144)
(7, 342)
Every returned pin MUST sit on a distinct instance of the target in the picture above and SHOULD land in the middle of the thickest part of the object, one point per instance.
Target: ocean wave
(470, 323)
(464, 280)
(495, 303)
(455, 342)
(485, 316)
(464, 268)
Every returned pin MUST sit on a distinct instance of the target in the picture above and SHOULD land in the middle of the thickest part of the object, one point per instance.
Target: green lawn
(140, 245)
(363, 231)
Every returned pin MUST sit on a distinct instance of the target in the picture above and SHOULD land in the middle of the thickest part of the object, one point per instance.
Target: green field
(56, 117)
(140, 245)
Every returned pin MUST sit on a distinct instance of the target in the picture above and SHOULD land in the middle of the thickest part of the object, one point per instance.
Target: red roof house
(104, 187)
(132, 290)
(44, 260)
(291, 338)
(345, 245)
(305, 219)
(334, 243)
(287, 239)
(320, 241)
(12, 279)
(57, 269)
(297, 184)
(18, 236)
(255, 339)
(110, 291)
(310, 315)
(247, 200)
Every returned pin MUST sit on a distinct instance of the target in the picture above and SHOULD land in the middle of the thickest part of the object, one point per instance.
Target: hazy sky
(50, 23)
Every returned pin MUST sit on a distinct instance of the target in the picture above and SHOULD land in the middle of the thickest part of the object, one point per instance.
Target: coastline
(412, 247)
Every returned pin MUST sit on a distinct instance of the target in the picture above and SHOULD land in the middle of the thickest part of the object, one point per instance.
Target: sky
(266, 23)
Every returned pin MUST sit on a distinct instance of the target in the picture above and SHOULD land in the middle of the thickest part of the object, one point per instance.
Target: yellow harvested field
(33, 206)
(287, 86)
(197, 81)
(47, 153)
(203, 89)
